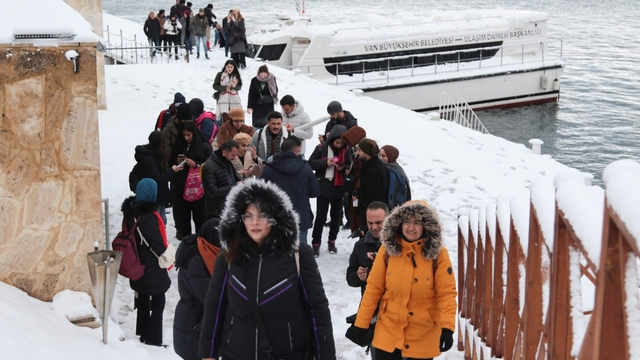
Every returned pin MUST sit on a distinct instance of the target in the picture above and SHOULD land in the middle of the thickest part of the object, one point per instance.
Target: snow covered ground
(449, 166)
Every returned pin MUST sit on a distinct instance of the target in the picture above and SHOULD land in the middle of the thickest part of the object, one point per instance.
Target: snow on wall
(575, 302)
(520, 205)
(463, 224)
(504, 218)
(622, 183)
(632, 307)
(583, 208)
(473, 223)
(482, 226)
(491, 222)
(544, 201)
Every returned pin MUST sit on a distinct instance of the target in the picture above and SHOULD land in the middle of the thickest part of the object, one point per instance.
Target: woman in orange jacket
(412, 285)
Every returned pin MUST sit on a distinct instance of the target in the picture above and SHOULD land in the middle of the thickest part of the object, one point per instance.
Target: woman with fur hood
(264, 277)
(412, 284)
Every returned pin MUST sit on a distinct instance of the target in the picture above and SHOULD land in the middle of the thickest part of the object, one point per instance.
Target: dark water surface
(597, 119)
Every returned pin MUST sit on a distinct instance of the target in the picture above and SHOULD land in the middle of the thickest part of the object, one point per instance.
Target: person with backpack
(400, 190)
(165, 115)
(205, 120)
(195, 258)
(374, 179)
(151, 241)
(152, 162)
(266, 299)
(413, 285)
(194, 149)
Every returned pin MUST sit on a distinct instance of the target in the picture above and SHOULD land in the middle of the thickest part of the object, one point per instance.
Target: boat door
(300, 46)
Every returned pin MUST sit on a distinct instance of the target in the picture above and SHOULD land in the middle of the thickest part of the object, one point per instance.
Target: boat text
(503, 35)
(399, 45)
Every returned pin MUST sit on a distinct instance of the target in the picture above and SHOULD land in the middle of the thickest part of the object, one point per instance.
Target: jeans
(303, 236)
(201, 39)
(154, 42)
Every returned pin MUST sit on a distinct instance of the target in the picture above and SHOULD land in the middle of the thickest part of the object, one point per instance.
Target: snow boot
(332, 247)
(316, 250)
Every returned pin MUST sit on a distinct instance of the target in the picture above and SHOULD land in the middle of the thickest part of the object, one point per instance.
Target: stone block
(25, 252)
(80, 142)
(69, 236)
(86, 195)
(41, 205)
(26, 112)
(48, 163)
(20, 174)
(9, 220)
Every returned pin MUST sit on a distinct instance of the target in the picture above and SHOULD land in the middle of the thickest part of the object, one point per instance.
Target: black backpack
(398, 189)
(134, 177)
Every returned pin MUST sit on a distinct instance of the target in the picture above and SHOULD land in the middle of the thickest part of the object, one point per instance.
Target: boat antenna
(300, 7)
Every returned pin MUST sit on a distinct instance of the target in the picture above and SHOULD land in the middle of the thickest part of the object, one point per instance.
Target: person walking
(330, 160)
(294, 116)
(151, 238)
(218, 177)
(195, 258)
(227, 84)
(233, 126)
(172, 27)
(389, 155)
(163, 37)
(236, 36)
(152, 28)
(199, 27)
(413, 286)
(374, 179)
(266, 299)
(263, 94)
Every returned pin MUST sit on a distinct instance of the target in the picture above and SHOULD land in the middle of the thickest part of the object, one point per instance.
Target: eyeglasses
(260, 219)
(412, 222)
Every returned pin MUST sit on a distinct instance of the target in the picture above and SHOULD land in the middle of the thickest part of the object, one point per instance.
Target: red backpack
(216, 124)
(131, 266)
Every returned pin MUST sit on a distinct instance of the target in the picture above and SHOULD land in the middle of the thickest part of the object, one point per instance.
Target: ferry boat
(486, 58)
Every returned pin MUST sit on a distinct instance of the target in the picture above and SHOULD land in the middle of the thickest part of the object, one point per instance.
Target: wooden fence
(522, 296)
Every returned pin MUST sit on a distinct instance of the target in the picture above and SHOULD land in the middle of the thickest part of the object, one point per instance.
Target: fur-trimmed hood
(392, 231)
(278, 204)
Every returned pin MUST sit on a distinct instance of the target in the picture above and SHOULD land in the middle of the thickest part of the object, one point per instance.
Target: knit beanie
(392, 153)
(242, 138)
(353, 136)
(178, 98)
(236, 114)
(369, 147)
(184, 112)
(209, 232)
(146, 191)
(334, 107)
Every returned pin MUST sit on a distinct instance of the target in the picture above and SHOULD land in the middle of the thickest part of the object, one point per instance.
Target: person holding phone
(236, 36)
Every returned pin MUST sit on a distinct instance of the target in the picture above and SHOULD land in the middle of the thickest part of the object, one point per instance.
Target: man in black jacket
(374, 179)
(365, 250)
(152, 29)
(218, 177)
(338, 116)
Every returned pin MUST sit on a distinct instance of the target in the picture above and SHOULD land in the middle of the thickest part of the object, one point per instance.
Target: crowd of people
(240, 194)
(185, 28)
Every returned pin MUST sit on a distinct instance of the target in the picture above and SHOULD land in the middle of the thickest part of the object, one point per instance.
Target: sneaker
(179, 235)
(198, 56)
(177, 57)
(206, 56)
(316, 250)
(332, 247)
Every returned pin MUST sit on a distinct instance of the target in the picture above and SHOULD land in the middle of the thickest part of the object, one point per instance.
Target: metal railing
(124, 50)
(460, 113)
(505, 55)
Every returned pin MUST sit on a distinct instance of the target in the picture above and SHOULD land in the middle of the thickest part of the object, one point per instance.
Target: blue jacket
(295, 177)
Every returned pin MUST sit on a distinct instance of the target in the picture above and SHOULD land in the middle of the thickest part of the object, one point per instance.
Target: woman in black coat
(264, 271)
(155, 282)
(153, 164)
(195, 149)
(195, 258)
(263, 94)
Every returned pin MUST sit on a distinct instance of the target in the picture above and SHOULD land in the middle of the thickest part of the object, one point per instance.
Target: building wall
(50, 194)
(91, 10)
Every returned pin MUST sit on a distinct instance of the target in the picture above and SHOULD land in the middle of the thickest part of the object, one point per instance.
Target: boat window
(272, 52)
(462, 54)
(251, 50)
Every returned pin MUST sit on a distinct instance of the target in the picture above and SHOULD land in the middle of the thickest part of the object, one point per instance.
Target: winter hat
(184, 112)
(201, 10)
(155, 139)
(369, 147)
(392, 152)
(242, 138)
(178, 98)
(146, 191)
(189, 4)
(236, 9)
(209, 232)
(197, 107)
(161, 12)
(236, 114)
(334, 107)
(353, 136)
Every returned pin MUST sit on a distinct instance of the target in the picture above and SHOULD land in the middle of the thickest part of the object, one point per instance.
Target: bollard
(536, 146)
(103, 270)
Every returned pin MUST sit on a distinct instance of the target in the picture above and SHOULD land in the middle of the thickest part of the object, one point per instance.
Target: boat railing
(460, 113)
(435, 63)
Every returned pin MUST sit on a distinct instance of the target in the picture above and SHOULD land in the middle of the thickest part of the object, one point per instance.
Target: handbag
(168, 257)
(265, 99)
(193, 186)
(216, 95)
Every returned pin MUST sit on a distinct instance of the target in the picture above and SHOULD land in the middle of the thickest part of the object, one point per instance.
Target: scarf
(226, 79)
(209, 253)
(271, 82)
(331, 173)
(163, 232)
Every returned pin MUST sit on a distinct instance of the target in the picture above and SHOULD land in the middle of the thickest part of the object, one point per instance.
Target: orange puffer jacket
(413, 307)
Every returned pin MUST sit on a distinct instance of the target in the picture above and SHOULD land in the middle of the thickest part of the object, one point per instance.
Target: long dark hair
(235, 71)
(196, 142)
(157, 142)
(241, 243)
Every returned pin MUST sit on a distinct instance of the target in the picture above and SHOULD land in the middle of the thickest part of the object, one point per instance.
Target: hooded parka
(415, 304)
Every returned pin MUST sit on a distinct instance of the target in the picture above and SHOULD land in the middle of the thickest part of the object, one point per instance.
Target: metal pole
(121, 44)
(480, 65)
(435, 67)
(522, 55)
(501, 55)
(108, 37)
(107, 244)
(412, 66)
(364, 65)
(105, 319)
(388, 68)
(458, 61)
(337, 71)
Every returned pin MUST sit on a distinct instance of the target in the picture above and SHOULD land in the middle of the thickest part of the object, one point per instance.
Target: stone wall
(50, 195)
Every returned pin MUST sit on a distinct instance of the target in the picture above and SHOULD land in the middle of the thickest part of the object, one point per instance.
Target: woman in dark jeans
(193, 148)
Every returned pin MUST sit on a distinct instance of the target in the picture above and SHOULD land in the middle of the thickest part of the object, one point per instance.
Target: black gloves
(361, 336)
(446, 340)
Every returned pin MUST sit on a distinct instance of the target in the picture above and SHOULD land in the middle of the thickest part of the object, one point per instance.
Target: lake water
(597, 119)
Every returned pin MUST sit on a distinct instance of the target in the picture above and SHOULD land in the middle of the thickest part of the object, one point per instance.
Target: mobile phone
(183, 162)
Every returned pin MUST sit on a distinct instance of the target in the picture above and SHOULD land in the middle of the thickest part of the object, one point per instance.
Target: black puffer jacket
(348, 121)
(359, 258)
(294, 308)
(218, 177)
(374, 186)
(318, 162)
(155, 280)
(151, 166)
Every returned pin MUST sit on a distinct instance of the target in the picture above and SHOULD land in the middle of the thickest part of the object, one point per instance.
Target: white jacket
(170, 29)
(299, 117)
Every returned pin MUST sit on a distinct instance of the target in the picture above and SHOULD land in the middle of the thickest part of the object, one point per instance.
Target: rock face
(50, 197)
